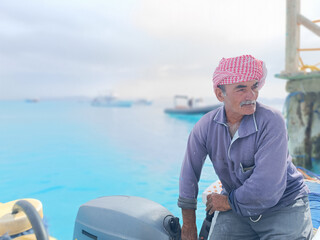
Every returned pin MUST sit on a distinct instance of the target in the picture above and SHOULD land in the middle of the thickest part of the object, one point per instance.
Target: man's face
(239, 99)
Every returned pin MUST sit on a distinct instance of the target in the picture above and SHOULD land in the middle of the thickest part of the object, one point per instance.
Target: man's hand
(217, 202)
(189, 227)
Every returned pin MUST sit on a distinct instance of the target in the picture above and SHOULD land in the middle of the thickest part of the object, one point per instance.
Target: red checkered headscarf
(239, 69)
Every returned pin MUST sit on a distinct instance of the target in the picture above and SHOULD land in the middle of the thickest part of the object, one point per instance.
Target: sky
(139, 48)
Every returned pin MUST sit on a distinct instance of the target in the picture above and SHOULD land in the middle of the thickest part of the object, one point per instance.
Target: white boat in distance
(190, 106)
(110, 101)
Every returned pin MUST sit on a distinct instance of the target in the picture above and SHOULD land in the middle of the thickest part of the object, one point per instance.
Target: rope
(309, 175)
(304, 67)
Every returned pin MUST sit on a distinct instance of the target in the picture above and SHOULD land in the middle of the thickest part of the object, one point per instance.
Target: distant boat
(110, 101)
(32, 100)
(142, 101)
(190, 106)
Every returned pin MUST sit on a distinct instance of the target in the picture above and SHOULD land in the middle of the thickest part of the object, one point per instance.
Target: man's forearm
(189, 216)
(189, 227)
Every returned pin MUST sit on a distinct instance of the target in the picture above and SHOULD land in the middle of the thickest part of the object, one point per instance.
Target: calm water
(67, 153)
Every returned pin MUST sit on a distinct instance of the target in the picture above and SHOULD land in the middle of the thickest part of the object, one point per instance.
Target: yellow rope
(304, 67)
(311, 67)
(308, 49)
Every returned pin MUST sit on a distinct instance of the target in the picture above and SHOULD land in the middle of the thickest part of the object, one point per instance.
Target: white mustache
(247, 102)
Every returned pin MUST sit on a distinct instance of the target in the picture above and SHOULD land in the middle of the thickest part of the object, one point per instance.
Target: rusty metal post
(303, 120)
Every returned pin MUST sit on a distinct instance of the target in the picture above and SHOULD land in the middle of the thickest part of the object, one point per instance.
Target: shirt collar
(220, 116)
(248, 124)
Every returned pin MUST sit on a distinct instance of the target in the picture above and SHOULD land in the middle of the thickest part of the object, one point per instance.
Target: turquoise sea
(65, 153)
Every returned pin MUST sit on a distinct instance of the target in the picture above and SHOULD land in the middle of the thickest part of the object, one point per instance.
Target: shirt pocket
(244, 172)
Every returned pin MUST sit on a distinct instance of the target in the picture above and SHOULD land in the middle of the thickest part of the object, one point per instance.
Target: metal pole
(292, 36)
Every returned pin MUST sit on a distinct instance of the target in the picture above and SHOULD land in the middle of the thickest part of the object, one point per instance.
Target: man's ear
(219, 94)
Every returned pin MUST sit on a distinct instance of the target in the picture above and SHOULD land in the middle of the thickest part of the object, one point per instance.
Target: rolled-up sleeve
(267, 183)
(191, 169)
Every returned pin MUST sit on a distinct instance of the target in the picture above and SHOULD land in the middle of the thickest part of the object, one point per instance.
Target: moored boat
(110, 101)
(189, 106)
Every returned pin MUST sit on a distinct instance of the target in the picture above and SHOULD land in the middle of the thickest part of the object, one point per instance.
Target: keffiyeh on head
(239, 69)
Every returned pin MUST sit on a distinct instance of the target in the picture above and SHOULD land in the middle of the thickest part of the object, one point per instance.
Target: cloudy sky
(139, 48)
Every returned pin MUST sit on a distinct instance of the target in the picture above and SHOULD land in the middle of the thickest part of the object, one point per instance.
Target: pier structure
(302, 105)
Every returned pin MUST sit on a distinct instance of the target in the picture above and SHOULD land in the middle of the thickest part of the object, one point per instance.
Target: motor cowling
(125, 217)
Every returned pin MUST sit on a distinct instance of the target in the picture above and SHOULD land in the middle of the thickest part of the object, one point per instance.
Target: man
(264, 196)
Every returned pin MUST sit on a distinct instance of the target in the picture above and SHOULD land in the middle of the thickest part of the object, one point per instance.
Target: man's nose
(250, 94)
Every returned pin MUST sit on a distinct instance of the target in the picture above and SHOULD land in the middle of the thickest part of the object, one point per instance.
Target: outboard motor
(125, 217)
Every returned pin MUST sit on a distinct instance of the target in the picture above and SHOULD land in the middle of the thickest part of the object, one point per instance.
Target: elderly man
(264, 196)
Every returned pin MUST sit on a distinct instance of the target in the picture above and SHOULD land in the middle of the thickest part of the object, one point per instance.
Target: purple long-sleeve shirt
(254, 166)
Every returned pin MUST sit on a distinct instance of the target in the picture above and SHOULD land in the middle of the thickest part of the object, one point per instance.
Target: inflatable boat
(189, 106)
(22, 220)
(116, 218)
